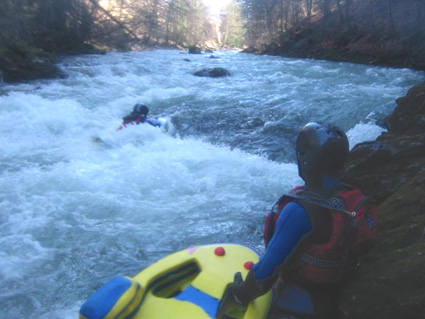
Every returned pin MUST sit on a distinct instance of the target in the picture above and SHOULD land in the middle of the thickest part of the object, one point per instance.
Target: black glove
(231, 306)
(239, 290)
(237, 296)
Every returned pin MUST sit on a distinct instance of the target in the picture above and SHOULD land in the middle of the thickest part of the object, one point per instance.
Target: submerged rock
(212, 72)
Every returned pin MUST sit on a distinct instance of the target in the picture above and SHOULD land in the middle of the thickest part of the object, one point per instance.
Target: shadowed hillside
(370, 32)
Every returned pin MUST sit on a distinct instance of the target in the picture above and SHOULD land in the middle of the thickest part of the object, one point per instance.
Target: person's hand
(231, 305)
(237, 290)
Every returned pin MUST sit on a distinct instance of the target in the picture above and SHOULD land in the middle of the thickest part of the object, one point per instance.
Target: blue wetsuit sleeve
(292, 224)
(153, 122)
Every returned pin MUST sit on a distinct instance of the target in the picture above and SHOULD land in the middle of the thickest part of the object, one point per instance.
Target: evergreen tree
(232, 27)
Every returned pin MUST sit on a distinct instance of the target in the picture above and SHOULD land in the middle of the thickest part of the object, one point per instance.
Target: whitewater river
(74, 214)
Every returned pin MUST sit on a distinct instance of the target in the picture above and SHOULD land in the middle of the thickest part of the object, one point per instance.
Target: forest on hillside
(35, 32)
(367, 31)
(269, 21)
(69, 25)
(379, 32)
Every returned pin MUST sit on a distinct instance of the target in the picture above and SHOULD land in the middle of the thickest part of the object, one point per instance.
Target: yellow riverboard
(188, 284)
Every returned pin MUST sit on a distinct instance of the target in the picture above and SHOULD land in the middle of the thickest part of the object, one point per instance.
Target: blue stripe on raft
(208, 303)
(103, 300)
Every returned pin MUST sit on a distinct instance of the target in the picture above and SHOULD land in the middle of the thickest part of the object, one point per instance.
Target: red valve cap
(219, 251)
(248, 265)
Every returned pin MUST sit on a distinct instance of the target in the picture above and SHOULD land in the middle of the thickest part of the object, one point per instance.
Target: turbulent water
(74, 214)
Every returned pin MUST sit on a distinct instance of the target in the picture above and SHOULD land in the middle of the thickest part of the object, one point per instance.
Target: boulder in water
(212, 72)
(194, 50)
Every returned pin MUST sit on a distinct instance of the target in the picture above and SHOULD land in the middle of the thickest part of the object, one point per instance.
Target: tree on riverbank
(232, 27)
(49, 24)
(269, 20)
(36, 30)
(160, 22)
(366, 31)
(68, 25)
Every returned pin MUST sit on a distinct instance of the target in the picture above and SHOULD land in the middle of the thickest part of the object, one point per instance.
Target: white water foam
(364, 132)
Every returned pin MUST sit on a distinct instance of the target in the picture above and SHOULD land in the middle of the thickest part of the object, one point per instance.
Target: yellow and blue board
(187, 284)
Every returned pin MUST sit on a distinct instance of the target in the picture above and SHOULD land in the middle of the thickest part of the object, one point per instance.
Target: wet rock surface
(212, 72)
(23, 64)
(392, 169)
(382, 167)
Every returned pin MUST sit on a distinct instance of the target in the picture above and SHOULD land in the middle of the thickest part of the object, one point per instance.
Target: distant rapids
(74, 213)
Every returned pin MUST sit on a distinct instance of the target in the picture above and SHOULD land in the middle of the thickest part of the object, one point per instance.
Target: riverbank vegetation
(73, 25)
(386, 32)
(35, 31)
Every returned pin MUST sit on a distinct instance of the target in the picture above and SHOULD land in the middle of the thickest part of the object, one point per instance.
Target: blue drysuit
(292, 225)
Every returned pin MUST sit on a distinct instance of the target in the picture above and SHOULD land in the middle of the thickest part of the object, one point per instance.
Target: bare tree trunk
(347, 12)
(326, 9)
(341, 15)
(115, 20)
(153, 25)
(295, 12)
(281, 16)
(309, 8)
(390, 15)
(419, 15)
(286, 19)
(168, 23)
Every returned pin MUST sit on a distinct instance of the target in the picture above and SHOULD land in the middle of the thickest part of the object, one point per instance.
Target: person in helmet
(137, 116)
(140, 115)
(321, 150)
(308, 256)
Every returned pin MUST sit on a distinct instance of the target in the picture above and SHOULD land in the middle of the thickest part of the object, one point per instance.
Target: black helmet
(322, 149)
(140, 108)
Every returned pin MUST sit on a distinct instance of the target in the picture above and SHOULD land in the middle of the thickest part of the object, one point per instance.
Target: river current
(74, 213)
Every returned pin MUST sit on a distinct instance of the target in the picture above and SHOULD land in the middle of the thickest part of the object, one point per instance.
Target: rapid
(74, 213)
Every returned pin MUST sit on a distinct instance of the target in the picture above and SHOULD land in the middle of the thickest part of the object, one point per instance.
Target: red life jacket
(138, 120)
(354, 220)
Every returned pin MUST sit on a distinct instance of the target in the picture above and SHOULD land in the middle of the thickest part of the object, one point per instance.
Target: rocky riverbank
(385, 33)
(26, 62)
(392, 169)
(408, 52)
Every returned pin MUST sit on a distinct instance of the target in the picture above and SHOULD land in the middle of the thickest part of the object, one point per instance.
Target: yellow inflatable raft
(189, 284)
